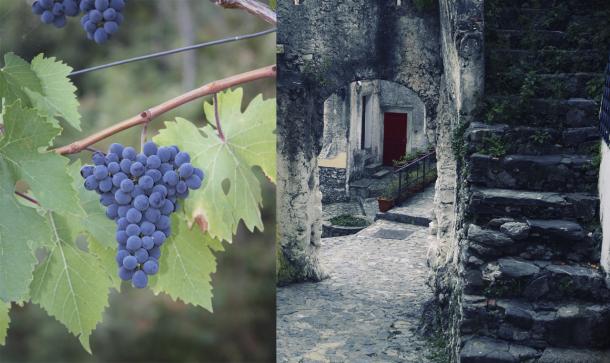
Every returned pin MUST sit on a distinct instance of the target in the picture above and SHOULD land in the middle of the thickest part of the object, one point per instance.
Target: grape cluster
(140, 192)
(55, 11)
(101, 18)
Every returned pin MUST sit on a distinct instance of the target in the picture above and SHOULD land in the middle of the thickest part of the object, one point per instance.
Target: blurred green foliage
(138, 326)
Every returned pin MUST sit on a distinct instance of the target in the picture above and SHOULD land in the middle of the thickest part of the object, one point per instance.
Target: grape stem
(93, 150)
(144, 129)
(153, 112)
(221, 135)
(252, 6)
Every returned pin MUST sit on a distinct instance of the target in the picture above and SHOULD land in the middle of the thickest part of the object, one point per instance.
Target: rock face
(527, 246)
(323, 50)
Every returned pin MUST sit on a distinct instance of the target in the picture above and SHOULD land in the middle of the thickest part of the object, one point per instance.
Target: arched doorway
(368, 126)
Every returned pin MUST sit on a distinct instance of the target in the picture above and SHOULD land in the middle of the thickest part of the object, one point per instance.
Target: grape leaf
(106, 257)
(22, 230)
(16, 76)
(230, 192)
(187, 261)
(25, 132)
(5, 320)
(58, 96)
(71, 285)
(93, 221)
(43, 84)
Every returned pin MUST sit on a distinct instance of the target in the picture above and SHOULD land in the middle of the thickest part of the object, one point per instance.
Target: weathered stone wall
(333, 184)
(325, 45)
(461, 88)
(604, 194)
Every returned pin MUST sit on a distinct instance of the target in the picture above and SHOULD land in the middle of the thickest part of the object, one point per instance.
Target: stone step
(558, 86)
(526, 140)
(487, 350)
(381, 174)
(545, 240)
(402, 217)
(489, 203)
(542, 112)
(373, 167)
(572, 5)
(554, 173)
(526, 18)
(546, 60)
(536, 39)
(509, 277)
(559, 355)
(566, 324)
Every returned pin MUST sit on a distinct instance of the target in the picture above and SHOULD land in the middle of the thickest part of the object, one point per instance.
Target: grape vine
(46, 207)
(140, 192)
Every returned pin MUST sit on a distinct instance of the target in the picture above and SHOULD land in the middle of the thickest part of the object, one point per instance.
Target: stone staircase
(533, 288)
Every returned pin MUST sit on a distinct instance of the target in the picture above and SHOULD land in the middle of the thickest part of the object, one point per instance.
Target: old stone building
(510, 95)
(367, 124)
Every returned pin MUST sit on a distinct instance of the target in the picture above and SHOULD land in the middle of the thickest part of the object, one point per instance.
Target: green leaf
(5, 320)
(16, 76)
(106, 257)
(230, 192)
(22, 230)
(58, 96)
(43, 84)
(93, 221)
(23, 153)
(187, 261)
(71, 285)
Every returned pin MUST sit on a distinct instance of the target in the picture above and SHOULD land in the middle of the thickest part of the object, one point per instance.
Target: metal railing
(414, 176)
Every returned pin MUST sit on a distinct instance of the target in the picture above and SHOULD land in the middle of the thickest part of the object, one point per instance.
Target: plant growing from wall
(425, 5)
(493, 145)
(540, 137)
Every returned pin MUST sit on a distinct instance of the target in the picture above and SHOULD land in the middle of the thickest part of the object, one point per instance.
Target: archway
(368, 125)
(314, 65)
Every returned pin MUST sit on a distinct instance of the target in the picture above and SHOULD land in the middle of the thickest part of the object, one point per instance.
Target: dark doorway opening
(394, 136)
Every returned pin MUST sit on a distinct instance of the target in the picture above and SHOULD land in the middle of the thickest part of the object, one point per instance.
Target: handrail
(414, 166)
(414, 162)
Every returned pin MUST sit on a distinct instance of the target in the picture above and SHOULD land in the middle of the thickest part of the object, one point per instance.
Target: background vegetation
(139, 326)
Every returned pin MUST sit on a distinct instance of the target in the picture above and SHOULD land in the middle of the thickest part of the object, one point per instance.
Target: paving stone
(392, 234)
(368, 310)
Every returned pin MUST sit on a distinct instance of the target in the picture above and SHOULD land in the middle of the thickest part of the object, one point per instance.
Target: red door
(394, 136)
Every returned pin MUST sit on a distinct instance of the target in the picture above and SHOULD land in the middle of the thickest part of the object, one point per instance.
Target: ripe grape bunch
(140, 192)
(101, 18)
(55, 11)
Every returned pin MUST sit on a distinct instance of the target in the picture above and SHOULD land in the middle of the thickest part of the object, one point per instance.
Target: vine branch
(252, 6)
(153, 112)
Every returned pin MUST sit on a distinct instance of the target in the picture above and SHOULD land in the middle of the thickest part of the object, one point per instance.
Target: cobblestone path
(370, 307)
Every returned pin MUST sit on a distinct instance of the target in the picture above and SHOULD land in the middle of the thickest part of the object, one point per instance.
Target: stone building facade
(355, 136)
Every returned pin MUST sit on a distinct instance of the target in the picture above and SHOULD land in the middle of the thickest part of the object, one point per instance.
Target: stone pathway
(416, 210)
(369, 309)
